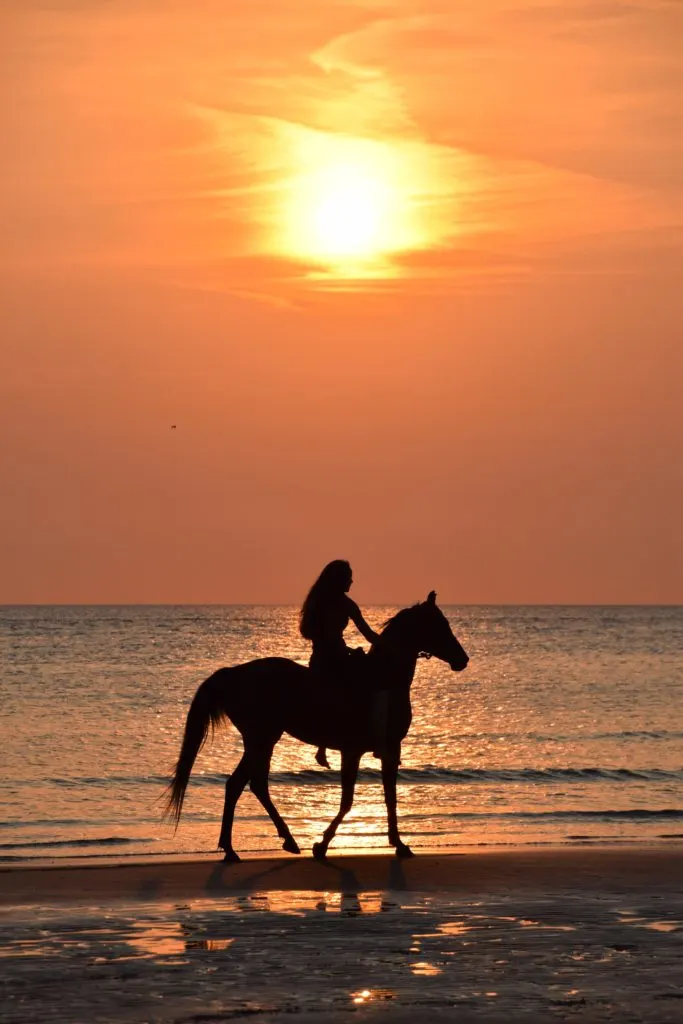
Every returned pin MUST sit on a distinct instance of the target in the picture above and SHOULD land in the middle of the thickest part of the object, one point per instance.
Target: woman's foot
(321, 757)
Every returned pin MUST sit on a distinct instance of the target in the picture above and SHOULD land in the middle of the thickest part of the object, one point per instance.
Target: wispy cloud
(171, 135)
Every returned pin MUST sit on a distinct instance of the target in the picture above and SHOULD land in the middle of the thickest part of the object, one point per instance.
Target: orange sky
(489, 404)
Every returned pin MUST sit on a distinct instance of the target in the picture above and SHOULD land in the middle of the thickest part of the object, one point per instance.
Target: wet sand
(575, 934)
(483, 871)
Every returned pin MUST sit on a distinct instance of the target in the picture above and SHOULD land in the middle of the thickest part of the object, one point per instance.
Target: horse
(270, 696)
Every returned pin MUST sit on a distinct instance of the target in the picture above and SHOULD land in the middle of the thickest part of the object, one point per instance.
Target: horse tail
(206, 712)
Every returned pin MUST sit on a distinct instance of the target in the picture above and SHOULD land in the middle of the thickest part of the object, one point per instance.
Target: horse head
(434, 635)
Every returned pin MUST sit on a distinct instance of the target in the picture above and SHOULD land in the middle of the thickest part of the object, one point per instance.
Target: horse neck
(399, 660)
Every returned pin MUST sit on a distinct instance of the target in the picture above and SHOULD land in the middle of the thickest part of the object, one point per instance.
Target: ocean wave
(93, 849)
(110, 841)
(428, 774)
(602, 814)
(540, 737)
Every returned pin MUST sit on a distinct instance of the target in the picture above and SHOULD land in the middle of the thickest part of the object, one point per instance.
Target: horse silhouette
(271, 696)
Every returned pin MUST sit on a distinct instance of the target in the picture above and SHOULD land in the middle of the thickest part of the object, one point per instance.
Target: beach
(580, 934)
(541, 790)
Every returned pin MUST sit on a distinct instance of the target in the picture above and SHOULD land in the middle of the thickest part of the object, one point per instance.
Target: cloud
(170, 135)
(565, 85)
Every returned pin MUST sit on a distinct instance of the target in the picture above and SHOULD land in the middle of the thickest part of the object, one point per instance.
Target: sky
(287, 281)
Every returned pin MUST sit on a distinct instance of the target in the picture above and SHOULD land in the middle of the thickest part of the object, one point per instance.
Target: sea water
(566, 727)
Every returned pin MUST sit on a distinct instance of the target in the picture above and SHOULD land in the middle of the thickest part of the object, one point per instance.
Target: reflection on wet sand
(425, 969)
(447, 928)
(26, 948)
(630, 916)
(172, 938)
(320, 951)
(167, 939)
(210, 945)
(526, 923)
(300, 903)
(368, 995)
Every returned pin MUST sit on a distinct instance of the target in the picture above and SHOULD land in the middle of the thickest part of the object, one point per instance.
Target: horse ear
(431, 597)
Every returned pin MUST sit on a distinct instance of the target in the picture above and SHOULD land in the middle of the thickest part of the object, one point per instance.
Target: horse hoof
(403, 851)
(291, 846)
(231, 857)
(319, 851)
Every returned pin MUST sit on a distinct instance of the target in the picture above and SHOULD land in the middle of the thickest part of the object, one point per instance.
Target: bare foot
(321, 757)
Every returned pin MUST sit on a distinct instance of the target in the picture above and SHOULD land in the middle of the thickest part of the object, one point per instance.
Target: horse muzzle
(459, 663)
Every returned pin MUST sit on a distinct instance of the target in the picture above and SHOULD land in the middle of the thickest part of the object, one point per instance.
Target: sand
(485, 870)
(570, 934)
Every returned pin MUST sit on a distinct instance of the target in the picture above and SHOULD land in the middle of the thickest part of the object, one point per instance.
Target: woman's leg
(320, 668)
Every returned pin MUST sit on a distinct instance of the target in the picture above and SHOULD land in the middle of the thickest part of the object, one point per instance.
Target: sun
(322, 206)
(348, 213)
(348, 209)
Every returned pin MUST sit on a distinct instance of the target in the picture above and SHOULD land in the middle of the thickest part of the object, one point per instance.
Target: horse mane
(398, 619)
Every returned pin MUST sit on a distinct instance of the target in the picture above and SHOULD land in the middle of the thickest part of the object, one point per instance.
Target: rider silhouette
(325, 614)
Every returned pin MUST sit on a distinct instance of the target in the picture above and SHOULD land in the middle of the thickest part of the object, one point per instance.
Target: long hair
(332, 582)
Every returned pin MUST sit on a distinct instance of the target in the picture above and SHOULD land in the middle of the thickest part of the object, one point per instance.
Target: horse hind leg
(259, 762)
(349, 772)
(234, 787)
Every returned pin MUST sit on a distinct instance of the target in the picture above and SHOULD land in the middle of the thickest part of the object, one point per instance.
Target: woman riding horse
(325, 614)
(271, 696)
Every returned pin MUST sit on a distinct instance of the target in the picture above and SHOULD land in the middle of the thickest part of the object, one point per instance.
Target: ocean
(566, 728)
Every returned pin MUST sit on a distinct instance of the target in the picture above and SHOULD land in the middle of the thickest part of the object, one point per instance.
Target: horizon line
(366, 604)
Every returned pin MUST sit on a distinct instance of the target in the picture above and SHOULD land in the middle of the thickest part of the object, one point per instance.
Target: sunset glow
(404, 277)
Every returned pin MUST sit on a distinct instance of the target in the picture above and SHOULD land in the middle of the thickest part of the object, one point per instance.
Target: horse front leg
(349, 772)
(390, 763)
(234, 787)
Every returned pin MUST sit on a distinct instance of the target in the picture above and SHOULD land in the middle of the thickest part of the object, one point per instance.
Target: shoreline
(584, 869)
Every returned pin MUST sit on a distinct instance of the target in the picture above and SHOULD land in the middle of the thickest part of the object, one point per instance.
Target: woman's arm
(360, 623)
